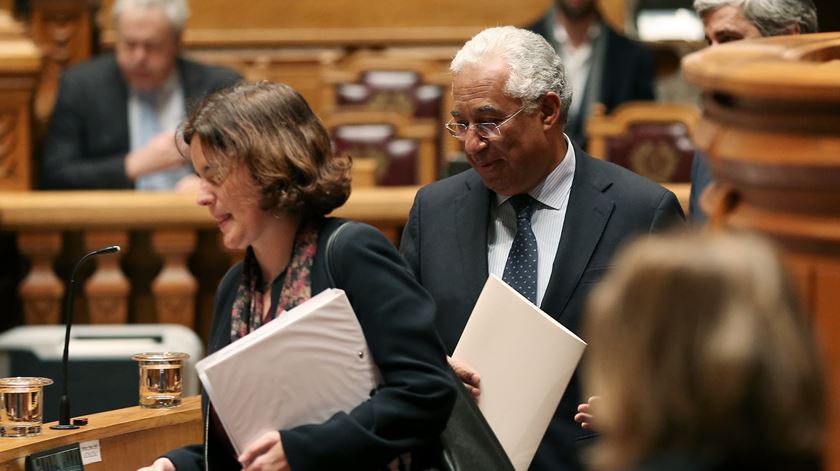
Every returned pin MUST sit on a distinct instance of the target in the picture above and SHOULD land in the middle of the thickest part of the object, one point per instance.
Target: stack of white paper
(525, 360)
(300, 368)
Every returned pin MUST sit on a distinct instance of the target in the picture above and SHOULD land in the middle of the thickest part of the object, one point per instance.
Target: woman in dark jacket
(268, 177)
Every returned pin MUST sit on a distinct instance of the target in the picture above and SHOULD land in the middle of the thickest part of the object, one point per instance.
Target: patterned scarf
(297, 284)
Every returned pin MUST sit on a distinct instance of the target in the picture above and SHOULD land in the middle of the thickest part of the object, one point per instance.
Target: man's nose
(473, 143)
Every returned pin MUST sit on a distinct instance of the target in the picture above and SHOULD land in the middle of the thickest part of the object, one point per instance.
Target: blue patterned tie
(521, 267)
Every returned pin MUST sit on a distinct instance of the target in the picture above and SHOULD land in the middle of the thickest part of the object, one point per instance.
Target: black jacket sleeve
(412, 406)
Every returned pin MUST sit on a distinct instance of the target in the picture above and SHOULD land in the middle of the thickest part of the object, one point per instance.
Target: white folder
(300, 368)
(525, 360)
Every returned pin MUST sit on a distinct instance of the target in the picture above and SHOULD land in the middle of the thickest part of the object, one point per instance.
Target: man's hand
(585, 416)
(468, 375)
(265, 454)
(160, 464)
(160, 153)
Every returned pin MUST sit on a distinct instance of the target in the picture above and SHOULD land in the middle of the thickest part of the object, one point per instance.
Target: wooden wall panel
(344, 22)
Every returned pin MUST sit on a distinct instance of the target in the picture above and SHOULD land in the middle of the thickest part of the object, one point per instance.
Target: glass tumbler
(22, 405)
(160, 378)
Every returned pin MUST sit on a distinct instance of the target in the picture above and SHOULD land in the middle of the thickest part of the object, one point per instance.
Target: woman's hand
(468, 375)
(160, 464)
(265, 454)
(585, 416)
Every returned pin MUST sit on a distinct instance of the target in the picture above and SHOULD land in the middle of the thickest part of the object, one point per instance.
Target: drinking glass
(22, 406)
(160, 378)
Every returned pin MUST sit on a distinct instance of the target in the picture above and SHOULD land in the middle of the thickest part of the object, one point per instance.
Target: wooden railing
(171, 259)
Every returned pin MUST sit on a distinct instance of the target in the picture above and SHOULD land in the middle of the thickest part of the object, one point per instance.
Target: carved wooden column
(41, 290)
(62, 29)
(20, 62)
(772, 129)
(107, 289)
(175, 287)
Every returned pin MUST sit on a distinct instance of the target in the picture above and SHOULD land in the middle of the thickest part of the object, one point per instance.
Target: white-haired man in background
(114, 120)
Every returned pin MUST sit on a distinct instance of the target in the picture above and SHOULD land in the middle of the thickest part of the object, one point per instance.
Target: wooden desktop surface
(129, 438)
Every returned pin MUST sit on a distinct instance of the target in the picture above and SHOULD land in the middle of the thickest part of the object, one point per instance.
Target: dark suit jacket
(628, 73)
(701, 177)
(88, 136)
(445, 243)
(408, 412)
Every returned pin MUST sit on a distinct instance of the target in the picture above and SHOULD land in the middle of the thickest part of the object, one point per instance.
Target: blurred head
(496, 74)
(260, 146)
(697, 343)
(731, 20)
(577, 8)
(148, 39)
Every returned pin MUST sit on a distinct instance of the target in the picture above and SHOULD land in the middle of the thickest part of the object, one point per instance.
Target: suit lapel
(470, 224)
(587, 214)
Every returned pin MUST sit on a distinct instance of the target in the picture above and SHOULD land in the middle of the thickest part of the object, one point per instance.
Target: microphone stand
(64, 403)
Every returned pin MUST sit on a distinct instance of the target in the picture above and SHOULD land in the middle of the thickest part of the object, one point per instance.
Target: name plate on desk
(63, 458)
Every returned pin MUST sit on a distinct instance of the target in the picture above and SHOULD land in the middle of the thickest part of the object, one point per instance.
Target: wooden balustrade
(171, 259)
(770, 126)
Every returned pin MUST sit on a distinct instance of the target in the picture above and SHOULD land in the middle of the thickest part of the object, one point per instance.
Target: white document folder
(300, 368)
(525, 359)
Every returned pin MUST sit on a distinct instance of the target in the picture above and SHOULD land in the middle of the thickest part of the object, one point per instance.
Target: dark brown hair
(271, 130)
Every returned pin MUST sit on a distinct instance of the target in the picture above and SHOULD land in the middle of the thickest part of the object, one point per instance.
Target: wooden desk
(129, 438)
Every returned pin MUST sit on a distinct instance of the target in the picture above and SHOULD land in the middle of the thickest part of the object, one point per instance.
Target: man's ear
(792, 28)
(550, 110)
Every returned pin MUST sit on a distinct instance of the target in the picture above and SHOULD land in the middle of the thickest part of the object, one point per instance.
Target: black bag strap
(329, 251)
(468, 443)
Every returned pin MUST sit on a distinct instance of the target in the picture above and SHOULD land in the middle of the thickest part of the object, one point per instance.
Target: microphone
(64, 403)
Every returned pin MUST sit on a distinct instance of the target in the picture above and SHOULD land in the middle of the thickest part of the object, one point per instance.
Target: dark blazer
(628, 73)
(408, 412)
(445, 243)
(88, 135)
(701, 177)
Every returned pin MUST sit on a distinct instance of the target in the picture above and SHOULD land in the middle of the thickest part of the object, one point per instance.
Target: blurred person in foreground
(732, 20)
(113, 125)
(704, 359)
(268, 177)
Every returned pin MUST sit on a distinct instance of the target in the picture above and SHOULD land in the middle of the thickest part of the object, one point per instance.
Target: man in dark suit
(602, 65)
(510, 102)
(114, 120)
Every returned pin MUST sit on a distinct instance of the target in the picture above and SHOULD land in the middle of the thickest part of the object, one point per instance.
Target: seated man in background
(704, 360)
(602, 65)
(731, 20)
(114, 120)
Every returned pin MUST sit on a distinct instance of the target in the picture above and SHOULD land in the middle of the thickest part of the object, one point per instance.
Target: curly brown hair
(270, 128)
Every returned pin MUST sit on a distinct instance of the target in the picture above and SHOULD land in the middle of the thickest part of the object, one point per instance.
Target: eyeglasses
(484, 130)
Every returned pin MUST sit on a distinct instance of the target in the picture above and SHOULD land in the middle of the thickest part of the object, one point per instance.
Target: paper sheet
(525, 359)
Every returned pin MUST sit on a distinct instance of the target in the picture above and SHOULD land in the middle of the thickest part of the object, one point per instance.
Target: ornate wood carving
(41, 290)
(107, 289)
(62, 30)
(19, 65)
(175, 287)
